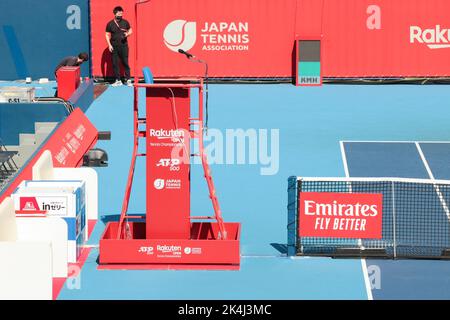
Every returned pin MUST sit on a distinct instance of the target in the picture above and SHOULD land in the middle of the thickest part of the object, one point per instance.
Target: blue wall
(20, 118)
(36, 35)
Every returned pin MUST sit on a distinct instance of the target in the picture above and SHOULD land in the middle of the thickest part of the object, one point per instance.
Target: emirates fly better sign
(340, 215)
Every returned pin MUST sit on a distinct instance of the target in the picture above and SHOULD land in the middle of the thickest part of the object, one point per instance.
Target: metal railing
(8, 166)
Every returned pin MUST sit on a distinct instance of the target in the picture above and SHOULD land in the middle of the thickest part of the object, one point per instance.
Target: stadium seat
(32, 252)
(148, 75)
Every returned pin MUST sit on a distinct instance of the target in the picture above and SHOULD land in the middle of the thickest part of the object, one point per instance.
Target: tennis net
(415, 218)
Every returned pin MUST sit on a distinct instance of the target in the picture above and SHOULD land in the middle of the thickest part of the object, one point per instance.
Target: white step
(26, 148)
(41, 135)
(43, 130)
(25, 152)
(27, 139)
(12, 148)
(29, 142)
(44, 125)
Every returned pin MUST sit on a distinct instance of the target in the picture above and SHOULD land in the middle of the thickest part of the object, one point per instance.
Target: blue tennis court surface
(438, 158)
(384, 160)
(403, 279)
(311, 123)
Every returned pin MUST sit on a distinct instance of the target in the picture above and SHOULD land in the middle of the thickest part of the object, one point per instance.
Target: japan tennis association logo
(180, 34)
(159, 184)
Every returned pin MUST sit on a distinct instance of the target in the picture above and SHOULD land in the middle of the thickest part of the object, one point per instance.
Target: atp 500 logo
(172, 164)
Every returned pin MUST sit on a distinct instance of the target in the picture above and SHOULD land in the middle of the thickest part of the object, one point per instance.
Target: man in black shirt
(73, 61)
(117, 32)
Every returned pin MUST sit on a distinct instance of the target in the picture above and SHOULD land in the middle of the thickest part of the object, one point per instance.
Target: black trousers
(120, 53)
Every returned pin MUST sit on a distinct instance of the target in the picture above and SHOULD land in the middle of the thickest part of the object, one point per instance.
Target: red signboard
(168, 145)
(340, 215)
(255, 38)
(238, 38)
(382, 38)
(71, 140)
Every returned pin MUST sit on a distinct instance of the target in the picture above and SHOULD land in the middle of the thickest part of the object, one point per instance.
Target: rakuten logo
(436, 38)
(313, 208)
(168, 249)
(161, 133)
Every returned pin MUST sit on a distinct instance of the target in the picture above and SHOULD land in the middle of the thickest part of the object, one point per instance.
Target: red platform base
(200, 267)
(202, 251)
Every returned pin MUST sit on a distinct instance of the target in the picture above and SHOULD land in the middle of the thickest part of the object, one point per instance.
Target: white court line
(443, 142)
(375, 141)
(344, 159)
(363, 261)
(392, 141)
(366, 279)
(430, 174)
(301, 257)
(424, 160)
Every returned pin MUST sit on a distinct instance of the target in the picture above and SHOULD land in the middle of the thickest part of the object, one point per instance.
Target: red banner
(381, 38)
(71, 140)
(255, 38)
(340, 215)
(238, 38)
(168, 154)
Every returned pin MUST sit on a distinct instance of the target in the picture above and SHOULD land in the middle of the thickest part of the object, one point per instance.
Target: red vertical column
(168, 154)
